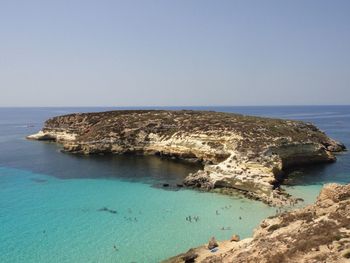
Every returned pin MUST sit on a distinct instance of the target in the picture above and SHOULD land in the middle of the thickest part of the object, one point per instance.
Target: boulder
(235, 238)
(212, 243)
(189, 256)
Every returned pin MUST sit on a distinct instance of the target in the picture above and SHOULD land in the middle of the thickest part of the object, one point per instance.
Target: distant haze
(180, 52)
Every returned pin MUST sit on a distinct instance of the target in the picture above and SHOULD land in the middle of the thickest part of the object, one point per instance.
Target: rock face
(189, 256)
(316, 233)
(238, 152)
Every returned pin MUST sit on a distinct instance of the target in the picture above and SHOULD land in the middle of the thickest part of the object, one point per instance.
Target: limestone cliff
(314, 234)
(238, 152)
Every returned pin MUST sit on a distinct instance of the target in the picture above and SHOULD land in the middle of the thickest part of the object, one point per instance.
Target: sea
(58, 207)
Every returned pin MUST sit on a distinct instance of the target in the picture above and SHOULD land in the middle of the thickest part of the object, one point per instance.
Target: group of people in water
(130, 219)
(280, 210)
(190, 218)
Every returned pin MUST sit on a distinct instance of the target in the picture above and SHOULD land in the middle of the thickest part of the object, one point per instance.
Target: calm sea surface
(57, 207)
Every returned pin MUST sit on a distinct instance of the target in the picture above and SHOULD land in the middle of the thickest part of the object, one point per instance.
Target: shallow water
(60, 220)
(58, 207)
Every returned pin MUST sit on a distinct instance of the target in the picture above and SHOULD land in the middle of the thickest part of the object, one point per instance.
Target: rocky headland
(314, 234)
(244, 153)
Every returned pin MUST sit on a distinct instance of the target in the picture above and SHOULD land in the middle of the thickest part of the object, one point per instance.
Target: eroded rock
(189, 256)
(240, 152)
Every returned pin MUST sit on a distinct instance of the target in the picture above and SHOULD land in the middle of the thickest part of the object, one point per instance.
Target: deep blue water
(50, 202)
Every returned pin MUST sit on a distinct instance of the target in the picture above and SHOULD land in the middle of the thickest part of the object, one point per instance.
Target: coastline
(49, 159)
(317, 233)
(239, 153)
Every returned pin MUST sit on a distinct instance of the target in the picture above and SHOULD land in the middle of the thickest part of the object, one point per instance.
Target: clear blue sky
(179, 52)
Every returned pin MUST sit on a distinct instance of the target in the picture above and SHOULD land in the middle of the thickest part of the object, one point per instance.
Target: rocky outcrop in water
(316, 233)
(246, 153)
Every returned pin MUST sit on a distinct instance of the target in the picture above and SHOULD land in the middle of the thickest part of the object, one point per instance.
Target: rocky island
(245, 153)
(316, 233)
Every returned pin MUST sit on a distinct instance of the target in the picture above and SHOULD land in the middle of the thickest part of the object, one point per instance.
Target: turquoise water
(57, 207)
(45, 219)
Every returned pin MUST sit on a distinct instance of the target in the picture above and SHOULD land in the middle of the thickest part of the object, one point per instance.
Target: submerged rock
(240, 152)
(105, 209)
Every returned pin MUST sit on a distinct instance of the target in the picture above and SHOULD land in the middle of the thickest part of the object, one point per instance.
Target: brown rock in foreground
(212, 243)
(316, 233)
(239, 152)
(235, 238)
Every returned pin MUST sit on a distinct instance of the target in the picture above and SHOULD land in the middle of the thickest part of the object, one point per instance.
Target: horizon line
(179, 106)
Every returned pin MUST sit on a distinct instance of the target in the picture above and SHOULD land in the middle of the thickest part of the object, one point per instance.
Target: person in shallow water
(189, 218)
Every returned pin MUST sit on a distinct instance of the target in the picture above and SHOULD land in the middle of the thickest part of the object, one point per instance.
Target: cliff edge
(246, 153)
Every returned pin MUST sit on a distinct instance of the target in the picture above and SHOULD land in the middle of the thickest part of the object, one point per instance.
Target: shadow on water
(128, 167)
(318, 174)
(16, 152)
(46, 158)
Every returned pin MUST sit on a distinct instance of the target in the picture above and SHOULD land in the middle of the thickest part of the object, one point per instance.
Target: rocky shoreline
(316, 233)
(244, 153)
